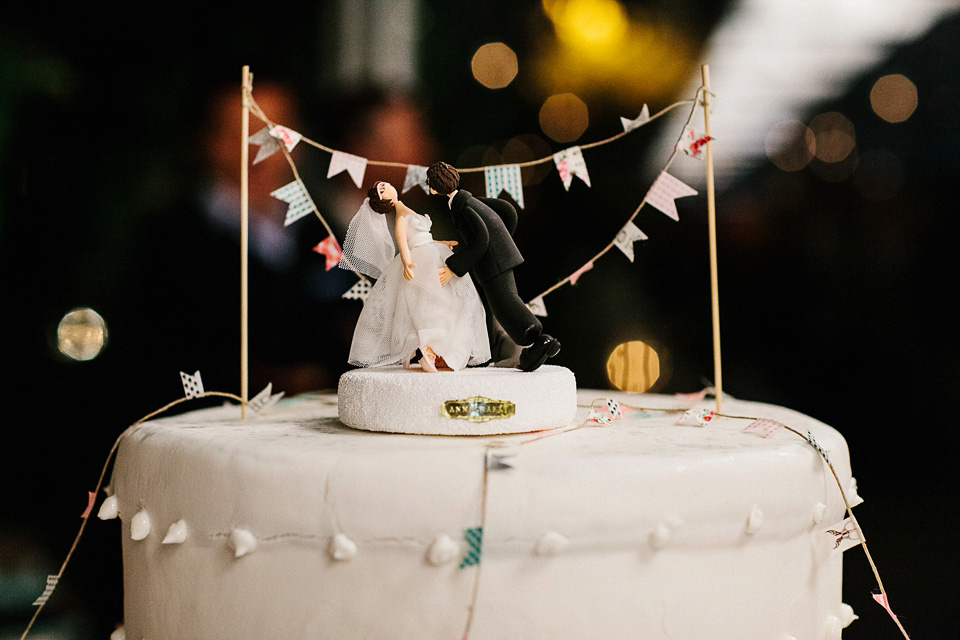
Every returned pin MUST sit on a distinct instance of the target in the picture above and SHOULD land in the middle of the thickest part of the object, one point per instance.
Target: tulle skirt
(400, 316)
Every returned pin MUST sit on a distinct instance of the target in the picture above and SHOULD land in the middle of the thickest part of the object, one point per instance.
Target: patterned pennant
(570, 163)
(416, 177)
(639, 121)
(599, 418)
(288, 137)
(354, 165)
(474, 538)
(330, 248)
(693, 143)
(627, 236)
(697, 417)
(614, 407)
(296, 196)
(881, 599)
(764, 427)
(91, 499)
(269, 145)
(505, 177)
(579, 272)
(47, 592)
(537, 307)
(265, 399)
(816, 445)
(192, 385)
(359, 291)
(844, 535)
(498, 462)
(665, 190)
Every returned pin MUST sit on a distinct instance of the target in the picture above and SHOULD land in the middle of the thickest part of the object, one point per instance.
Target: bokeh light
(494, 65)
(82, 334)
(633, 366)
(836, 171)
(879, 175)
(790, 145)
(564, 117)
(835, 136)
(588, 24)
(894, 97)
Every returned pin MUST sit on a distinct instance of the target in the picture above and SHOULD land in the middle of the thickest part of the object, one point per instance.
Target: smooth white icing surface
(635, 529)
(399, 400)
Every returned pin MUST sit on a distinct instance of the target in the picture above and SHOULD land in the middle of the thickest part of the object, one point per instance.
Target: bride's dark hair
(377, 204)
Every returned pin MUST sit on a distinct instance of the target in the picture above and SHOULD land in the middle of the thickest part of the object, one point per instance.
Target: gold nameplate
(478, 409)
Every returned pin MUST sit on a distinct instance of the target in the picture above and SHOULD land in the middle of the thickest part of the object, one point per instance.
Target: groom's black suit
(487, 251)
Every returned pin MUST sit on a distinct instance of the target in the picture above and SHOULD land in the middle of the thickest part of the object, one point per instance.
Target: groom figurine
(488, 252)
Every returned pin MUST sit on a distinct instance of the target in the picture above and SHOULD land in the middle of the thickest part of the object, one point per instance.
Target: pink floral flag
(330, 248)
(629, 234)
(693, 143)
(570, 163)
(665, 190)
(579, 272)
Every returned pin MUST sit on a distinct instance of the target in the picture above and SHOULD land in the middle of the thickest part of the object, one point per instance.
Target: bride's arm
(401, 232)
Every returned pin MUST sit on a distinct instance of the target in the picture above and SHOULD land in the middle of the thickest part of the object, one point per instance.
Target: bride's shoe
(408, 362)
(426, 362)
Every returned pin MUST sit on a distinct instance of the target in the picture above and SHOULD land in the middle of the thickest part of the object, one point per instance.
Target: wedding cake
(619, 523)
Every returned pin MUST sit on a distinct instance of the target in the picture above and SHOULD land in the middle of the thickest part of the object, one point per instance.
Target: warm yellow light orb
(835, 136)
(894, 97)
(494, 65)
(633, 366)
(790, 145)
(82, 334)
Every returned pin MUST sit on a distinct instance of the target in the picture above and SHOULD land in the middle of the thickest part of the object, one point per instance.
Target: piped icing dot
(140, 525)
(177, 533)
(242, 542)
(109, 509)
(819, 510)
(754, 520)
(833, 628)
(846, 615)
(342, 548)
(442, 550)
(118, 634)
(550, 544)
(852, 496)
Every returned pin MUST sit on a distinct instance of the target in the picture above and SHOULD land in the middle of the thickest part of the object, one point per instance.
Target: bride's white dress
(400, 316)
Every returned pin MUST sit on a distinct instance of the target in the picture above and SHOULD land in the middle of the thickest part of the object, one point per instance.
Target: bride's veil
(368, 247)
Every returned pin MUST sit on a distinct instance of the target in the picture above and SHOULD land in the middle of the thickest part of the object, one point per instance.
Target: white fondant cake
(480, 401)
(291, 525)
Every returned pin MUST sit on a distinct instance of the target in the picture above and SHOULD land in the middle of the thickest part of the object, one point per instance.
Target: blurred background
(836, 123)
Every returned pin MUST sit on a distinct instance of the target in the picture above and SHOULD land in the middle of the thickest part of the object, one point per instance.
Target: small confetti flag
(505, 177)
(665, 190)
(270, 140)
(570, 163)
(498, 462)
(288, 137)
(697, 417)
(47, 592)
(764, 427)
(359, 291)
(693, 143)
(474, 538)
(354, 165)
(537, 307)
(91, 499)
(265, 399)
(330, 248)
(816, 445)
(614, 407)
(639, 121)
(192, 385)
(599, 418)
(416, 177)
(579, 272)
(627, 236)
(882, 600)
(844, 535)
(295, 195)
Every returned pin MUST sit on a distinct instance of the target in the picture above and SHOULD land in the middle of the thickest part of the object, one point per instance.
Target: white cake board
(481, 401)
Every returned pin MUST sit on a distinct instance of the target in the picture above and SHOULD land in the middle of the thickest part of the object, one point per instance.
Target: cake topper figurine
(488, 253)
(410, 309)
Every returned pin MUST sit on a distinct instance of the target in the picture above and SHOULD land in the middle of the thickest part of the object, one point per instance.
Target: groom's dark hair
(443, 178)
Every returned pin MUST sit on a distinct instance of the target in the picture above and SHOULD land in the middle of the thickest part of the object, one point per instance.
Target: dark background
(831, 303)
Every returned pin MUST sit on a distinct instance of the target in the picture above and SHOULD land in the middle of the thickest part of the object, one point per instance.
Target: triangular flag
(504, 177)
(474, 538)
(359, 291)
(265, 399)
(295, 195)
(627, 236)
(570, 163)
(843, 535)
(287, 136)
(537, 307)
(664, 191)
(639, 121)
(416, 177)
(354, 165)
(52, 581)
(882, 600)
(693, 143)
(192, 384)
(579, 272)
(269, 145)
(330, 248)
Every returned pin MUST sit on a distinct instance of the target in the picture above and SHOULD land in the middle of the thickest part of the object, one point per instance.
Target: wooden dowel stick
(244, 239)
(712, 224)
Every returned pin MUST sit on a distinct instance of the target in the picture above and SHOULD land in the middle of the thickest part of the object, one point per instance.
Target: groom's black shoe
(536, 354)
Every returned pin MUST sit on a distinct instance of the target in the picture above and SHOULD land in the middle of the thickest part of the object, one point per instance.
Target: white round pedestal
(482, 401)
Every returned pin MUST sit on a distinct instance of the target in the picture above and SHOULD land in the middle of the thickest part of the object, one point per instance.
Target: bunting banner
(416, 177)
(295, 195)
(504, 177)
(359, 291)
(579, 272)
(265, 399)
(270, 140)
(570, 163)
(843, 535)
(474, 539)
(664, 191)
(192, 385)
(639, 121)
(354, 165)
(330, 248)
(693, 143)
(52, 581)
(627, 236)
(537, 307)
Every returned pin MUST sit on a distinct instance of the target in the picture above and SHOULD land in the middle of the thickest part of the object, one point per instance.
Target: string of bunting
(498, 179)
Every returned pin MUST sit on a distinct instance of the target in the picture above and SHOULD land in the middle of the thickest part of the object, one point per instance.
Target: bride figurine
(408, 309)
